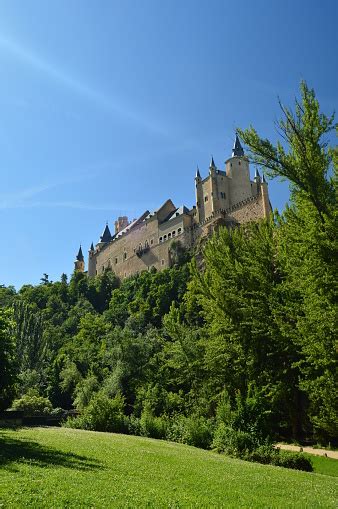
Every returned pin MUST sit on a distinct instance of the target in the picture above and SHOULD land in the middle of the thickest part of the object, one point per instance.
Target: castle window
(164, 237)
(151, 242)
(162, 262)
(239, 162)
(174, 233)
(161, 239)
(169, 235)
(125, 274)
(125, 255)
(146, 244)
(206, 198)
(223, 195)
(179, 230)
(115, 261)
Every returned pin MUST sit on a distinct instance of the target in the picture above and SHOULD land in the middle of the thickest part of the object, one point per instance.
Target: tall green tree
(7, 358)
(306, 245)
(241, 298)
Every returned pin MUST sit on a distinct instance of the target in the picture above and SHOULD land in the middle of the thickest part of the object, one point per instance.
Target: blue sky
(107, 107)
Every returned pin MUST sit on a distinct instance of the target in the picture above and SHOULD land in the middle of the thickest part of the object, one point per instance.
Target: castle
(225, 197)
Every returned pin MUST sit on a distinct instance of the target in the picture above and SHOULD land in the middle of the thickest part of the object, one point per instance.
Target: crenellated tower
(237, 169)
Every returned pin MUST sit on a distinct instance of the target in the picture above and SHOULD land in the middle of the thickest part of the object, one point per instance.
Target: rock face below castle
(226, 197)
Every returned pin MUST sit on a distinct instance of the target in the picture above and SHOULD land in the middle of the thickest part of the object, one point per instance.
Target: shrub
(58, 412)
(33, 404)
(293, 460)
(194, 430)
(263, 454)
(133, 424)
(102, 414)
(152, 426)
(233, 442)
(266, 454)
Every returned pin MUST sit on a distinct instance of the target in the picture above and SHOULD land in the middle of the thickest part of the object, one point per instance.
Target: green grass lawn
(55, 467)
(322, 465)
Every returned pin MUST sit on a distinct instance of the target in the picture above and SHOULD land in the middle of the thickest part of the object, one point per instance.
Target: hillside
(52, 467)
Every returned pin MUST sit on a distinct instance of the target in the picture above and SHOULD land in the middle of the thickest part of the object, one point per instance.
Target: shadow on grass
(14, 450)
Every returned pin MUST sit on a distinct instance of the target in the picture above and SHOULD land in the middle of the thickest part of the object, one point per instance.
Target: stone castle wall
(143, 247)
(225, 198)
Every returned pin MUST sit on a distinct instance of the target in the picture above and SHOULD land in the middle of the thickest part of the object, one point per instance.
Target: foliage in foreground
(102, 470)
(105, 414)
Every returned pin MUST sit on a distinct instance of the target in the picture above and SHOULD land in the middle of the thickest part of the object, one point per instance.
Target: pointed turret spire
(92, 247)
(79, 256)
(212, 163)
(198, 175)
(257, 175)
(106, 235)
(237, 148)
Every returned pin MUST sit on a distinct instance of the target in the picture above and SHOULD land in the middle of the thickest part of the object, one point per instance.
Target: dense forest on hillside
(243, 339)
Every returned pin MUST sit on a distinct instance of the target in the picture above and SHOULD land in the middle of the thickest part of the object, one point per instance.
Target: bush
(33, 404)
(133, 424)
(102, 414)
(194, 430)
(293, 460)
(152, 426)
(233, 442)
(263, 454)
(266, 454)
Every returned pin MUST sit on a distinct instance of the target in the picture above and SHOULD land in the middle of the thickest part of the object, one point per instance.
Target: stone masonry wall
(122, 254)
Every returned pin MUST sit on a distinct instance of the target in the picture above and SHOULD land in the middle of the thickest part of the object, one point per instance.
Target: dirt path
(310, 450)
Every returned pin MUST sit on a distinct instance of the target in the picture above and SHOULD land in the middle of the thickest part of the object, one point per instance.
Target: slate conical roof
(212, 163)
(237, 148)
(257, 175)
(92, 247)
(106, 235)
(198, 175)
(79, 256)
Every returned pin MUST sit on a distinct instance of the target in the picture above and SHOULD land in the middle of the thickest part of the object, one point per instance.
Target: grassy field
(54, 468)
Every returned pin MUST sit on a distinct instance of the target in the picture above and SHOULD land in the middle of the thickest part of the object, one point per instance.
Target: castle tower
(121, 223)
(105, 237)
(237, 169)
(206, 192)
(91, 261)
(213, 187)
(265, 197)
(198, 195)
(257, 181)
(79, 262)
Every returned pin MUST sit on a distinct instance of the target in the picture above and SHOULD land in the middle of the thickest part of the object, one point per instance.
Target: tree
(305, 162)
(241, 300)
(7, 359)
(306, 245)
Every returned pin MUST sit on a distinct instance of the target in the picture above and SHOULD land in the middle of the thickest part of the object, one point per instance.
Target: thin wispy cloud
(62, 204)
(61, 77)
(20, 198)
